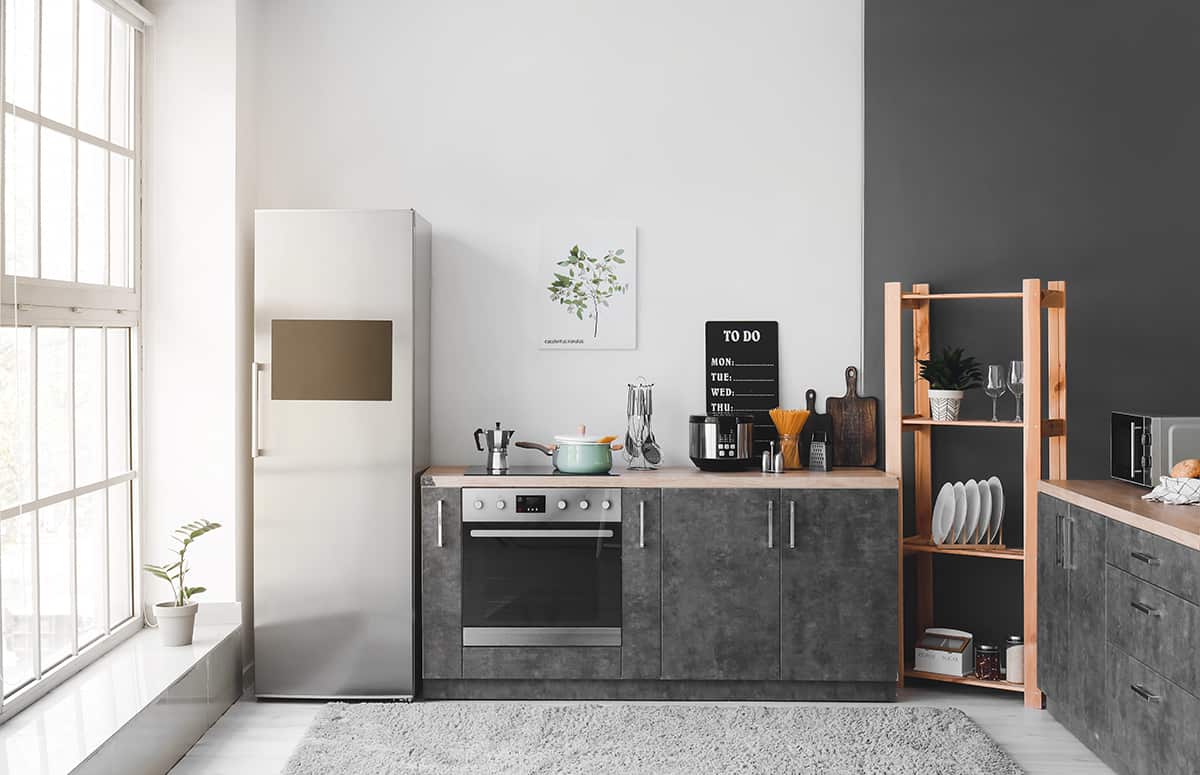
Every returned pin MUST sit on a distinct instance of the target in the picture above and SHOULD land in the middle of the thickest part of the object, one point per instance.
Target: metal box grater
(818, 453)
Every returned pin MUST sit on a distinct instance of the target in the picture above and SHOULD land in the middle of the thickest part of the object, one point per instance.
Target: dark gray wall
(1035, 138)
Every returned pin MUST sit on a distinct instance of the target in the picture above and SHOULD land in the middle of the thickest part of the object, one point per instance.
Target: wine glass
(995, 386)
(1016, 383)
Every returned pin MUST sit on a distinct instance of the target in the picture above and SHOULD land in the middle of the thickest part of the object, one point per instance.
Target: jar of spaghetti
(987, 662)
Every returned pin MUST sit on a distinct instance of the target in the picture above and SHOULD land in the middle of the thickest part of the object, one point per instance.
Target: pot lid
(581, 436)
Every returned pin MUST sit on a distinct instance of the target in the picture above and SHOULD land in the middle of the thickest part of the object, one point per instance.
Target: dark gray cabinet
(1085, 623)
(441, 583)
(1155, 724)
(641, 583)
(1052, 606)
(839, 605)
(720, 584)
(1071, 607)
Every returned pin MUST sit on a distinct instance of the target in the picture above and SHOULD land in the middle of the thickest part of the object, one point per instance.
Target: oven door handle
(565, 533)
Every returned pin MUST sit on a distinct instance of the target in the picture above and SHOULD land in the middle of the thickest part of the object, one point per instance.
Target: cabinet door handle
(792, 525)
(1142, 608)
(771, 524)
(1145, 693)
(1058, 541)
(1149, 559)
(1069, 558)
(439, 524)
(642, 524)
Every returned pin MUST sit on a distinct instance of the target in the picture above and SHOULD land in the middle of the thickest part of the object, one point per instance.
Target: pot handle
(549, 450)
(478, 443)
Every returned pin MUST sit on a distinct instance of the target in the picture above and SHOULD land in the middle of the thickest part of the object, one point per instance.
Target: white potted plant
(949, 376)
(177, 617)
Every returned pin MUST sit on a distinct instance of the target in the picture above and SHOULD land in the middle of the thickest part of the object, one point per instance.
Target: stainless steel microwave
(1143, 448)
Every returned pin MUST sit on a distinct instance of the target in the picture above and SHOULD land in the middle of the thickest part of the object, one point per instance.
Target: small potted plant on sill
(177, 617)
(949, 376)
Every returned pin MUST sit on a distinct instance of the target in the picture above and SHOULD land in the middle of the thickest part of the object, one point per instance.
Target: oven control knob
(562, 505)
(584, 505)
(606, 505)
(500, 504)
(478, 504)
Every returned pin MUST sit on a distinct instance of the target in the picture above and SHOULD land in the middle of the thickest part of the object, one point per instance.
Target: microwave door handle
(1133, 469)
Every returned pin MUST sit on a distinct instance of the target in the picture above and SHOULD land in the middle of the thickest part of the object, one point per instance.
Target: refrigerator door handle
(255, 449)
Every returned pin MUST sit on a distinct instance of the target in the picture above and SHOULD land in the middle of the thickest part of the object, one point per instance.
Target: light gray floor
(258, 737)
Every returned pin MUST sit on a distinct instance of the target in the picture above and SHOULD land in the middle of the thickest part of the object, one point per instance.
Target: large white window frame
(36, 303)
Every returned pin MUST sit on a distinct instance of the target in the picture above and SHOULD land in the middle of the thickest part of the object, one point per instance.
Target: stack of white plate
(969, 513)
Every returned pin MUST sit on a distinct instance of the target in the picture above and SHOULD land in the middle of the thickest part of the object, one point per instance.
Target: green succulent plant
(952, 371)
(175, 572)
(585, 284)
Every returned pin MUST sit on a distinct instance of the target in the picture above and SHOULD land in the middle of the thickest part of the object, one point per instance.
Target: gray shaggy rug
(493, 738)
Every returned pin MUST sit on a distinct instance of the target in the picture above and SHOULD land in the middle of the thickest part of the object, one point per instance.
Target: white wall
(189, 275)
(731, 134)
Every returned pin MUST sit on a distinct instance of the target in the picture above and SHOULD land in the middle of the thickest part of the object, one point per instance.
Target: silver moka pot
(496, 440)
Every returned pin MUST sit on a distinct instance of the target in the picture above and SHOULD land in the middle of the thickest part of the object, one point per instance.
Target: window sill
(82, 721)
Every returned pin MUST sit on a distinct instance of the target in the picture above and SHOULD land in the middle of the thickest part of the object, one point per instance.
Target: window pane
(20, 32)
(53, 412)
(19, 196)
(58, 60)
(89, 406)
(16, 417)
(118, 401)
(57, 204)
(120, 120)
(89, 554)
(93, 38)
(16, 590)
(93, 215)
(54, 582)
(120, 221)
(120, 555)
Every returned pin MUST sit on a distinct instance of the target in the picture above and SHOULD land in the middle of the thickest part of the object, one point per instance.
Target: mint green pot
(576, 457)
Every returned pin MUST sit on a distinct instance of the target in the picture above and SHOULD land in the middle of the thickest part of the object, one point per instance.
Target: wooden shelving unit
(1035, 300)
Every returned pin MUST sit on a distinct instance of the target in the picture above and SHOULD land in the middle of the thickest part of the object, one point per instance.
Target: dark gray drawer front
(577, 663)
(1156, 627)
(1153, 721)
(1161, 562)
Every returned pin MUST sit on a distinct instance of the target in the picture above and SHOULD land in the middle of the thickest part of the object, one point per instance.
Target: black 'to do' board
(742, 373)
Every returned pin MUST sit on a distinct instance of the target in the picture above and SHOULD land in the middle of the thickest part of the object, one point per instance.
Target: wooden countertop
(837, 479)
(1123, 502)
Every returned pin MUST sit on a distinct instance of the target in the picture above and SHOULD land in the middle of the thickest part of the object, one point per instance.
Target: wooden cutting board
(855, 425)
(816, 423)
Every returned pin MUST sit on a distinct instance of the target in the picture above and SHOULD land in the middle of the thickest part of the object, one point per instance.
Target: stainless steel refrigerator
(340, 432)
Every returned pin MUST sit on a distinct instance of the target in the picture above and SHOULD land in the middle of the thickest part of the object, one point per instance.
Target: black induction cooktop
(525, 471)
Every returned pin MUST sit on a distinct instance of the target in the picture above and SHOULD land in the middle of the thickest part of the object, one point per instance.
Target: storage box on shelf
(1034, 298)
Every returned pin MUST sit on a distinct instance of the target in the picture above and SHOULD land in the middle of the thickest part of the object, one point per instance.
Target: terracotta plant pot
(944, 404)
(176, 623)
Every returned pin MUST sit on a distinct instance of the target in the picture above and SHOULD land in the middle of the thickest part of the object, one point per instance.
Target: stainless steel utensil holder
(641, 449)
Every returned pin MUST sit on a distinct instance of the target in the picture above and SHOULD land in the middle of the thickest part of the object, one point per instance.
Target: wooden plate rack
(1034, 298)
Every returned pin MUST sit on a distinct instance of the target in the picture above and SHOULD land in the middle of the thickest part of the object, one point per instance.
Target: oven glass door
(541, 575)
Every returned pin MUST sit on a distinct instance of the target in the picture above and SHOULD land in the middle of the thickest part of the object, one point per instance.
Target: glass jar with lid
(987, 662)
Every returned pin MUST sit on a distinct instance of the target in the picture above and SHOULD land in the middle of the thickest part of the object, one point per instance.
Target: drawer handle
(792, 531)
(1145, 693)
(1142, 608)
(1149, 559)
(642, 524)
(771, 524)
(439, 524)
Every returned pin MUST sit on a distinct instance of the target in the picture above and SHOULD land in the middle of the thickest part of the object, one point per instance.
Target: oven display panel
(531, 504)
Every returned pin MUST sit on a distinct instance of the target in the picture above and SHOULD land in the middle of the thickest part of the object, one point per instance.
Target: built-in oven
(541, 567)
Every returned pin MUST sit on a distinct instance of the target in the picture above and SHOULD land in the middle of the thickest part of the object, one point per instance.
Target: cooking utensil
(817, 423)
(577, 454)
(641, 449)
(854, 421)
(818, 452)
(497, 447)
